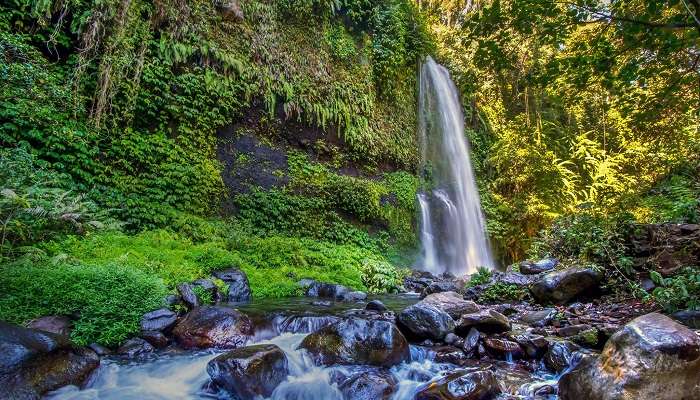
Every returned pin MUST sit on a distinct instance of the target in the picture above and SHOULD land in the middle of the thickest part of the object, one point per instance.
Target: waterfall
(453, 229)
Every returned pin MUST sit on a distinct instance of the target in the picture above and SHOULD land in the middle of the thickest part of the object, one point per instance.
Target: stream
(178, 374)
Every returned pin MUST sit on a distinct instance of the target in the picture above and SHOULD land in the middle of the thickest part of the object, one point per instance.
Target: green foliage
(500, 292)
(109, 300)
(340, 43)
(676, 199)
(35, 204)
(680, 292)
(380, 276)
(482, 276)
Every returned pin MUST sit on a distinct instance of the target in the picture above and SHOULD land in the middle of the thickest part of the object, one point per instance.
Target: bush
(681, 292)
(482, 276)
(380, 276)
(500, 292)
(108, 300)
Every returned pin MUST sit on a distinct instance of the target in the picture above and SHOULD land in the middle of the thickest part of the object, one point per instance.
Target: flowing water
(178, 375)
(453, 229)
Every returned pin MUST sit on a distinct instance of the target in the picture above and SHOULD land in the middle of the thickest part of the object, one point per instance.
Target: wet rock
(189, 297)
(358, 341)
(452, 303)
(450, 354)
(572, 330)
(322, 303)
(534, 346)
(322, 289)
(503, 348)
(562, 286)
(439, 287)
(425, 321)
(58, 324)
(452, 339)
(99, 349)
(418, 280)
(689, 318)
(250, 372)
(647, 284)
(513, 278)
(172, 300)
(158, 320)
(539, 319)
(369, 385)
(652, 357)
(462, 385)
(302, 323)
(544, 265)
(34, 362)
(354, 296)
(560, 355)
(156, 338)
(135, 347)
(471, 341)
(213, 326)
(376, 305)
(487, 320)
(238, 285)
(208, 286)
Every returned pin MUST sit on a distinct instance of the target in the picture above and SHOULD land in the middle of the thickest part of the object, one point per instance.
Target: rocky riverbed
(435, 343)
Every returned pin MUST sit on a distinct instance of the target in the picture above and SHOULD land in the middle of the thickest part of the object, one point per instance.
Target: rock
(213, 326)
(451, 338)
(250, 372)
(369, 385)
(503, 349)
(487, 320)
(514, 278)
(135, 347)
(58, 324)
(99, 349)
(539, 319)
(652, 357)
(471, 341)
(425, 321)
(689, 318)
(562, 286)
(189, 297)
(238, 285)
(647, 284)
(322, 303)
(462, 385)
(230, 10)
(302, 323)
(450, 354)
(354, 296)
(534, 346)
(358, 341)
(34, 362)
(208, 286)
(452, 303)
(572, 330)
(560, 355)
(156, 338)
(544, 265)
(172, 300)
(439, 287)
(418, 280)
(321, 289)
(158, 320)
(376, 305)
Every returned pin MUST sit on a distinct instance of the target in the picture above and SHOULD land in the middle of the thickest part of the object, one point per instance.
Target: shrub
(380, 276)
(108, 300)
(681, 292)
(482, 276)
(500, 292)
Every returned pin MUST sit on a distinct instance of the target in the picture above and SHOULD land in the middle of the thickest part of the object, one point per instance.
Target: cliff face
(185, 106)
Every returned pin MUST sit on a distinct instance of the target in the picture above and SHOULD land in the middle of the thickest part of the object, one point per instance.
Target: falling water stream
(453, 230)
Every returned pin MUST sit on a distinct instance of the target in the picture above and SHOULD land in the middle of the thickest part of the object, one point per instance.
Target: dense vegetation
(121, 125)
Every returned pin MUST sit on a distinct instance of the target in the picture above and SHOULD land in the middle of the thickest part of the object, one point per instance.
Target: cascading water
(453, 229)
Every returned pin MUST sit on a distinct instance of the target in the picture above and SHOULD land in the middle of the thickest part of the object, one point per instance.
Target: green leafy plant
(482, 276)
(680, 292)
(499, 292)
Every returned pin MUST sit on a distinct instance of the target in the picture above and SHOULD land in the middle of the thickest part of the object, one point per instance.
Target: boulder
(425, 321)
(34, 362)
(156, 338)
(544, 265)
(135, 347)
(452, 303)
(250, 372)
(487, 320)
(503, 348)
(354, 296)
(652, 357)
(213, 326)
(238, 285)
(689, 318)
(462, 385)
(534, 346)
(158, 320)
(450, 355)
(471, 341)
(322, 289)
(188, 296)
(560, 287)
(58, 324)
(439, 287)
(358, 341)
(369, 385)
(560, 355)
(418, 280)
(538, 319)
(376, 305)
